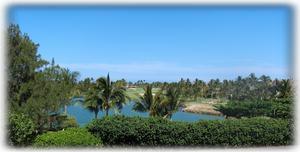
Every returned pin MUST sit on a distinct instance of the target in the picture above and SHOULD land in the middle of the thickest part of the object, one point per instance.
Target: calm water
(84, 116)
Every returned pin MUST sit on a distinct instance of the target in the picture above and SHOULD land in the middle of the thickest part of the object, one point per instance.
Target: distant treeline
(242, 88)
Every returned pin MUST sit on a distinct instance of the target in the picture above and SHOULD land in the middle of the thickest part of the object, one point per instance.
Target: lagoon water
(84, 116)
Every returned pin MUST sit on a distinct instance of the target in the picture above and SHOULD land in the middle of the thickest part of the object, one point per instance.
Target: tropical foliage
(92, 100)
(149, 103)
(104, 95)
(112, 95)
(161, 104)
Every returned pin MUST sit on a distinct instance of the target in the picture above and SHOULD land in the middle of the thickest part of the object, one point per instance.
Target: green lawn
(134, 93)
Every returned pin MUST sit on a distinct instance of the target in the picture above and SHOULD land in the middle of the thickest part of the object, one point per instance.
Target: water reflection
(84, 116)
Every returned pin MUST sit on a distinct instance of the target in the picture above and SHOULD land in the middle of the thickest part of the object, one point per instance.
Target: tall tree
(149, 103)
(111, 94)
(171, 102)
(285, 89)
(50, 92)
(92, 100)
(265, 85)
(23, 63)
(35, 89)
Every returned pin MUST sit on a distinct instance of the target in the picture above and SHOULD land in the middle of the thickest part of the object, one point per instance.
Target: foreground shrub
(71, 137)
(120, 130)
(21, 130)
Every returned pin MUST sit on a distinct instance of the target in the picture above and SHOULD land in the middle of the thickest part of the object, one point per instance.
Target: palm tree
(149, 103)
(265, 84)
(161, 105)
(285, 89)
(92, 100)
(171, 102)
(112, 95)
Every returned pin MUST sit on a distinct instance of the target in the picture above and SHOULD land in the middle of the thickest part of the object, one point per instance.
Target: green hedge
(71, 137)
(120, 130)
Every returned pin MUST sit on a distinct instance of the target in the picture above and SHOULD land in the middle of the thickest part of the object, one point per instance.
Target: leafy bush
(71, 137)
(276, 109)
(240, 109)
(21, 130)
(120, 130)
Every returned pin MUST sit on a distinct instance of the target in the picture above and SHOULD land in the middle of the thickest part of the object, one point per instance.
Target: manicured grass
(134, 93)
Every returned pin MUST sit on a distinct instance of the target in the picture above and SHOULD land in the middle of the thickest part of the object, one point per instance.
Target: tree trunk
(65, 109)
(106, 112)
(96, 114)
(107, 107)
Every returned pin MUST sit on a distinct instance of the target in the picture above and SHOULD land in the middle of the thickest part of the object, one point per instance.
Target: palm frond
(140, 107)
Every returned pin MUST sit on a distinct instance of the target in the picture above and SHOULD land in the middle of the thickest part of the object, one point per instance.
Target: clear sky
(161, 43)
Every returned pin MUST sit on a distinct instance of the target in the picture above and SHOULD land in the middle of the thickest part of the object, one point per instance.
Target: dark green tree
(285, 89)
(93, 100)
(149, 102)
(171, 102)
(50, 92)
(23, 63)
(111, 95)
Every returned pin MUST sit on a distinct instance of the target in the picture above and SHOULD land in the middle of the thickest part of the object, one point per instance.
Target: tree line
(241, 88)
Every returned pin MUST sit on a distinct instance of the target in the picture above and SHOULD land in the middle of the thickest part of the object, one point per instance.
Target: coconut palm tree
(265, 84)
(171, 102)
(111, 95)
(92, 100)
(149, 103)
(285, 89)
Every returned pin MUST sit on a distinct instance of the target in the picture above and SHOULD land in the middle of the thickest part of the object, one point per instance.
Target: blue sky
(161, 43)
